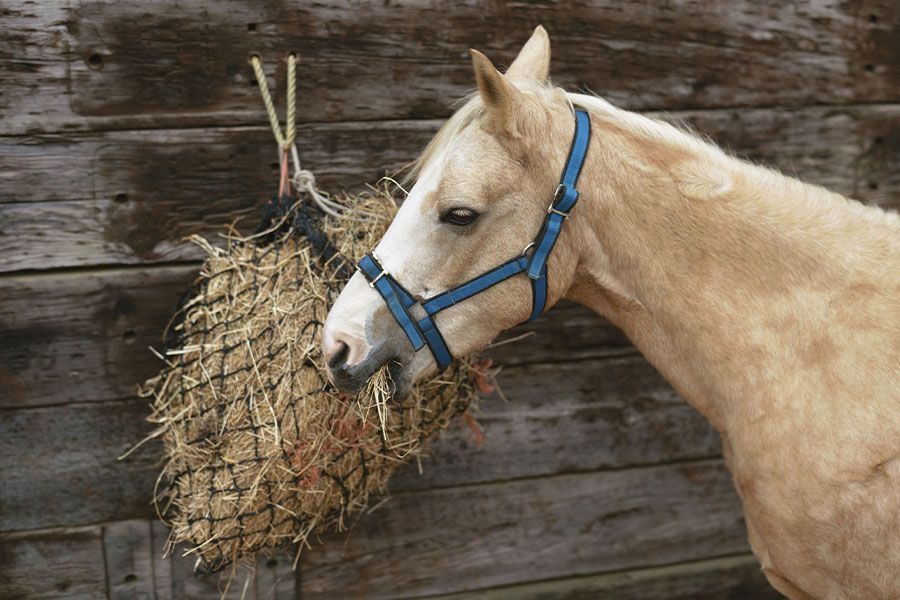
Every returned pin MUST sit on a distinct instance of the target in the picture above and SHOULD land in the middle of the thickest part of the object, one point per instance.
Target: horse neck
(719, 270)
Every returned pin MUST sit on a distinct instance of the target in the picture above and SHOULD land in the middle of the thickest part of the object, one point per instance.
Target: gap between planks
(609, 578)
(226, 121)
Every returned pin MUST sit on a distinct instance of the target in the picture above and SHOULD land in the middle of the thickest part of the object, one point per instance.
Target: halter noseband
(423, 331)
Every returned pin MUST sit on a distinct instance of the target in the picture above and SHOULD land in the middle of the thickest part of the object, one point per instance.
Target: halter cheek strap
(564, 199)
(424, 331)
(398, 300)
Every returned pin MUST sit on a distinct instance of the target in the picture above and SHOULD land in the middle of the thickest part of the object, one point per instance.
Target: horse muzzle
(360, 337)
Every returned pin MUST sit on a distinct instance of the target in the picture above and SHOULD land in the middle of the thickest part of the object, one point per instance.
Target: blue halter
(424, 331)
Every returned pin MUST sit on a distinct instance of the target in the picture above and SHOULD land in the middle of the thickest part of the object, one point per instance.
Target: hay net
(260, 450)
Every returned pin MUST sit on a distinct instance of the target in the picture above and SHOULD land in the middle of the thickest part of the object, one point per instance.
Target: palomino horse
(771, 305)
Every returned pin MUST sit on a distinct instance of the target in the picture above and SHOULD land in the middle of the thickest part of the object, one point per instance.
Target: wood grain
(113, 65)
(569, 417)
(204, 166)
(72, 460)
(72, 563)
(271, 577)
(467, 538)
(83, 337)
(132, 197)
(123, 560)
(607, 414)
(129, 553)
(59, 465)
(731, 578)
(65, 563)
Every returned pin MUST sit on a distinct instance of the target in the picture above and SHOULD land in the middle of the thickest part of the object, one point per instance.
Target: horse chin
(404, 374)
(400, 384)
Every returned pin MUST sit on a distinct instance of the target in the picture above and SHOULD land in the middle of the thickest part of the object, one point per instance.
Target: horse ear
(533, 61)
(497, 93)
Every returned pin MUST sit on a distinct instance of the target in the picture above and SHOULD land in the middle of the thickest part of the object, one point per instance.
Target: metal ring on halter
(527, 248)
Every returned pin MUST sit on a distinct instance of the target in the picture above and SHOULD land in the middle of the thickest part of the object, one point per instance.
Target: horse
(771, 305)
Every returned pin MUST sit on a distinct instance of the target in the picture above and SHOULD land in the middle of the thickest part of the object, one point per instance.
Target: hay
(262, 451)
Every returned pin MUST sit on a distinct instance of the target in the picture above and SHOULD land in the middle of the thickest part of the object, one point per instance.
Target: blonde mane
(709, 157)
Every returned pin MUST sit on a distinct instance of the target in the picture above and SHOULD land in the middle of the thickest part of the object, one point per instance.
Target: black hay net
(261, 450)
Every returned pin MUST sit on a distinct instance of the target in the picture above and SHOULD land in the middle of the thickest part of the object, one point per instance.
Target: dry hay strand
(262, 451)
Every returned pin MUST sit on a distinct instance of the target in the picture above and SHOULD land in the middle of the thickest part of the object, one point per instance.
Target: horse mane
(653, 131)
(697, 177)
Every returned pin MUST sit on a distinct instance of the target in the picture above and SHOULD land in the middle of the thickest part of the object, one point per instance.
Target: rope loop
(285, 139)
(302, 179)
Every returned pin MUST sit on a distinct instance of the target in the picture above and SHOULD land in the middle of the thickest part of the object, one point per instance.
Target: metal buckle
(371, 283)
(561, 190)
(374, 281)
(381, 274)
(527, 248)
(561, 213)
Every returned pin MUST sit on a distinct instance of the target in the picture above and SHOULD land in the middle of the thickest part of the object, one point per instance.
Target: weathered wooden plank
(78, 337)
(269, 579)
(731, 578)
(135, 568)
(605, 414)
(468, 538)
(163, 568)
(70, 563)
(205, 167)
(132, 197)
(128, 549)
(275, 578)
(65, 563)
(59, 465)
(108, 64)
(33, 65)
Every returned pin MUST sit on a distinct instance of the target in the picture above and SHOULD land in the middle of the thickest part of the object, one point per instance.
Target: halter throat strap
(400, 302)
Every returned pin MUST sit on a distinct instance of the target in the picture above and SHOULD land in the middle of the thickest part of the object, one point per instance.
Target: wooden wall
(125, 126)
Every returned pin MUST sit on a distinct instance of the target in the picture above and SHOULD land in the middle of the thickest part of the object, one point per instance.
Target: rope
(302, 179)
(267, 99)
(291, 101)
(305, 180)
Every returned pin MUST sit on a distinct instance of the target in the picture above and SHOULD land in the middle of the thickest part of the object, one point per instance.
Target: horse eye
(459, 216)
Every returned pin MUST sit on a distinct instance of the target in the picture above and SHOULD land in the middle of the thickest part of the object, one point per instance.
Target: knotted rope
(303, 179)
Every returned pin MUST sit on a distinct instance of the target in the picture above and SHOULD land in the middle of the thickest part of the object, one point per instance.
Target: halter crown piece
(423, 331)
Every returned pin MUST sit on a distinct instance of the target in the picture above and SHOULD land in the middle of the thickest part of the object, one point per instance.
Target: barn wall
(125, 126)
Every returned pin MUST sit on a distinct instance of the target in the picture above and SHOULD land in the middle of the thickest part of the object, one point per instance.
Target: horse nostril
(339, 354)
